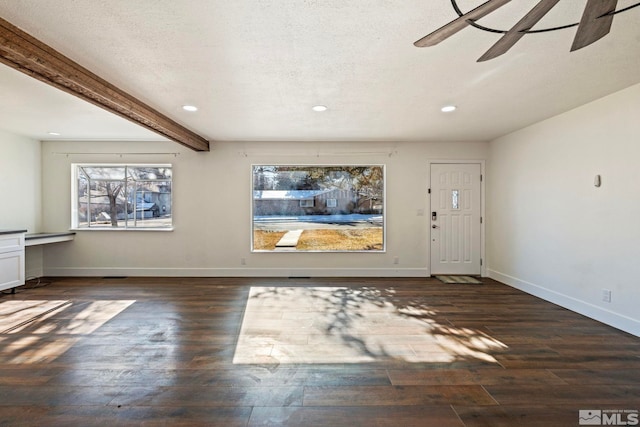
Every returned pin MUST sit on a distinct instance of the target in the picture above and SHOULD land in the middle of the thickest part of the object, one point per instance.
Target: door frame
(483, 257)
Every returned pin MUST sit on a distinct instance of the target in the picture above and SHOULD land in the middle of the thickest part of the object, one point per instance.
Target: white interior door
(455, 218)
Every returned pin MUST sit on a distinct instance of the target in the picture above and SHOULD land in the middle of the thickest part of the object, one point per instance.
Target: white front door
(455, 218)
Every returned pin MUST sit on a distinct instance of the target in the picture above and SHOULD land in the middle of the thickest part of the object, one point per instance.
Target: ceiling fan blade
(512, 36)
(458, 24)
(595, 22)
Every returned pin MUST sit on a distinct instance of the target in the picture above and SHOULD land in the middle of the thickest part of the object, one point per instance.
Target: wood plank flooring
(304, 352)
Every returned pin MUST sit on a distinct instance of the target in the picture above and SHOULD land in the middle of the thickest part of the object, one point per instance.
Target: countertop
(12, 231)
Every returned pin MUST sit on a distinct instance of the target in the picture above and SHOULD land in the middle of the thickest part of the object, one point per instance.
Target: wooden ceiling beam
(26, 54)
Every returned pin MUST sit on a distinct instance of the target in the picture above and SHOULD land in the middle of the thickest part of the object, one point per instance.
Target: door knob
(434, 226)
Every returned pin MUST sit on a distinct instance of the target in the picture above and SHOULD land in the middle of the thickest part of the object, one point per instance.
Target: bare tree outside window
(121, 196)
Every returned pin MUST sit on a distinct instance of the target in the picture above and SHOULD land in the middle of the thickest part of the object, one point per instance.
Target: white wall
(20, 192)
(550, 232)
(211, 208)
(20, 182)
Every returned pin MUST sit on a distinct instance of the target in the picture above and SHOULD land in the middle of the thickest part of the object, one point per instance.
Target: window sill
(121, 229)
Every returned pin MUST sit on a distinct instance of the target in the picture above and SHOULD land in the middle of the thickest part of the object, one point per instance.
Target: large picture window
(121, 196)
(318, 208)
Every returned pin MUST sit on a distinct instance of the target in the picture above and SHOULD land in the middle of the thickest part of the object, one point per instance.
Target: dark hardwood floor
(304, 352)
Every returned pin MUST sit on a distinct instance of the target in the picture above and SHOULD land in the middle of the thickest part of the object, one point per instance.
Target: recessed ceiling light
(190, 108)
(319, 108)
(53, 133)
(448, 108)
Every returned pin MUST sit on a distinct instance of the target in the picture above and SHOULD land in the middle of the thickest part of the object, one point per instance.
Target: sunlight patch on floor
(48, 328)
(346, 325)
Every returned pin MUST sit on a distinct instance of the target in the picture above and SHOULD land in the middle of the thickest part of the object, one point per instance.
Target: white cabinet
(11, 259)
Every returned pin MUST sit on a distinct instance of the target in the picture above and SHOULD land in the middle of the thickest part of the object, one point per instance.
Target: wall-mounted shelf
(45, 238)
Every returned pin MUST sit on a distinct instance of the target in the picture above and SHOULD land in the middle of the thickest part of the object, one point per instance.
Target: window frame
(127, 180)
(331, 203)
(259, 216)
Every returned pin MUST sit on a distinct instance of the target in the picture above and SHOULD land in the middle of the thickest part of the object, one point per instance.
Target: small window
(332, 203)
(122, 197)
(306, 203)
(455, 199)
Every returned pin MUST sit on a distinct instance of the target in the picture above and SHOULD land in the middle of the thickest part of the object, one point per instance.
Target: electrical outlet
(396, 260)
(243, 261)
(606, 295)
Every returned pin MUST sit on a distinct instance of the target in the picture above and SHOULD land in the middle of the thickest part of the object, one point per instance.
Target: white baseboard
(600, 314)
(237, 272)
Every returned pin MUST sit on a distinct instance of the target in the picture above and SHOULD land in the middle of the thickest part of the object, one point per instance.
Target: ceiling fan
(595, 23)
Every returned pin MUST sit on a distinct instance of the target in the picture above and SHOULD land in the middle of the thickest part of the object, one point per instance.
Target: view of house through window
(121, 196)
(318, 208)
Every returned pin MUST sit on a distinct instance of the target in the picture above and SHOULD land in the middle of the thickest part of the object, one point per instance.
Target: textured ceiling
(256, 67)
